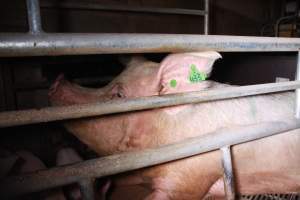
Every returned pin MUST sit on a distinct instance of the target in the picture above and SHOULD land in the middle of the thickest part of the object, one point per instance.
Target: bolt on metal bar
(297, 114)
(228, 175)
(87, 188)
(32, 116)
(206, 17)
(114, 164)
(54, 44)
(34, 16)
(123, 8)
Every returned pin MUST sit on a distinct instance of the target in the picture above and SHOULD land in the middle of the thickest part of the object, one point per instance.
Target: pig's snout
(61, 92)
(55, 85)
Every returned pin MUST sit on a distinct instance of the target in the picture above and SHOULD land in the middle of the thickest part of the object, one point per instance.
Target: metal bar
(228, 175)
(278, 22)
(114, 164)
(14, 44)
(297, 114)
(123, 8)
(34, 16)
(15, 118)
(87, 188)
(206, 17)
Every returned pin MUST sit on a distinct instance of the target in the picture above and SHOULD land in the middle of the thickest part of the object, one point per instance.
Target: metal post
(297, 114)
(228, 173)
(34, 16)
(206, 17)
(87, 189)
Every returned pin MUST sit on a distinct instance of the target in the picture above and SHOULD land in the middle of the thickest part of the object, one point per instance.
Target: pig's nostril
(119, 95)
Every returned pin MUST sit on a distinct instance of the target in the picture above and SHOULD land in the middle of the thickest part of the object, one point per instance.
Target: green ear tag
(195, 75)
(173, 83)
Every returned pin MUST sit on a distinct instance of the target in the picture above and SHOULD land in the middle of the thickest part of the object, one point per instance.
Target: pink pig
(270, 165)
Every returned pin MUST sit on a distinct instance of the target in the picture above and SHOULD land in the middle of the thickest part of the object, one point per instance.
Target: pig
(270, 165)
(22, 162)
(67, 156)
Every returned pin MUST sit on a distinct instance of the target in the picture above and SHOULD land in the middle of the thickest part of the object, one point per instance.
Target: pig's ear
(186, 71)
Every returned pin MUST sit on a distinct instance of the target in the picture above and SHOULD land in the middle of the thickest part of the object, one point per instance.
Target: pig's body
(271, 165)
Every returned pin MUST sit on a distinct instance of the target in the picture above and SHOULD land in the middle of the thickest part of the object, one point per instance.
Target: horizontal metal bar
(17, 44)
(18, 185)
(15, 118)
(123, 8)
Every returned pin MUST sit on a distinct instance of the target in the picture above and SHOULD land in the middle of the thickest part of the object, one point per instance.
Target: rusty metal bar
(34, 16)
(18, 44)
(206, 17)
(297, 114)
(122, 8)
(15, 118)
(87, 188)
(114, 164)
(228, 175)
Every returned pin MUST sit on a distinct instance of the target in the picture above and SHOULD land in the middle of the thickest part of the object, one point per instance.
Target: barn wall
(232, 17)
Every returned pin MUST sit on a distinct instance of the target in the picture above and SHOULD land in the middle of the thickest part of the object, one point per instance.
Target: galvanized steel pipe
(16, 44)
(206, 17)
(114, 164)
(34, 16)
(15, 118)
(228, 174)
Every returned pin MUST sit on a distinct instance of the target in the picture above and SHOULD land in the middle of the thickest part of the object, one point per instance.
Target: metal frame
(114, 164)
(46, 44)
(32, 116)
(38, 43)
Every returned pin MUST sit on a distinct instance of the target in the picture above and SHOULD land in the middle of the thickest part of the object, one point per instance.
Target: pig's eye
(118, 91)
(120, 95)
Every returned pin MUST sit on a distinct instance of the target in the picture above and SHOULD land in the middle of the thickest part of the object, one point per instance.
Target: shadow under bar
(32, 116)
(54, 44)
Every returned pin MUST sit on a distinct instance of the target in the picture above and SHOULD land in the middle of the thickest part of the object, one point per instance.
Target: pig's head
(177, 73)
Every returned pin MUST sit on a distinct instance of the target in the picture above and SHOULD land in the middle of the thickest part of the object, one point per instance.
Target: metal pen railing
(114, 164)
(39, 43)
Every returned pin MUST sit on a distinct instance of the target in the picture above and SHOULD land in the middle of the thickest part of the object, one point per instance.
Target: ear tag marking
(173, 83)
(195, 76)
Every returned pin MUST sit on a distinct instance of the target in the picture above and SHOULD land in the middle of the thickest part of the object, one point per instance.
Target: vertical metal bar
(87, 187)
(206, 17)
(297, 114)
(228, 173)
(34, 16)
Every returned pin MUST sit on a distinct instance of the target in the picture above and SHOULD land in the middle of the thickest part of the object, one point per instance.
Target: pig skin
(270, 165)
(25, 162)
